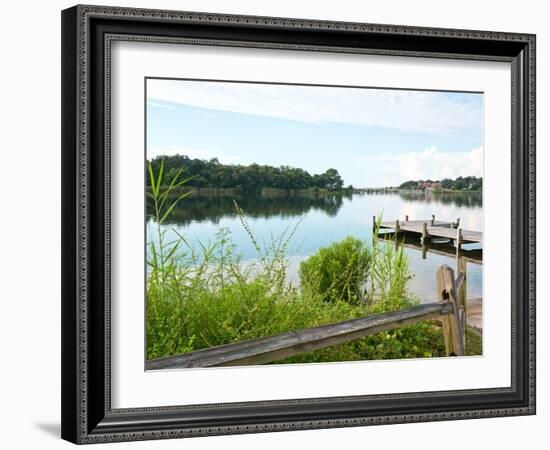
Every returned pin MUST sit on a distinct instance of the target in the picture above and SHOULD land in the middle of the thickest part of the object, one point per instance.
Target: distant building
(428, 185)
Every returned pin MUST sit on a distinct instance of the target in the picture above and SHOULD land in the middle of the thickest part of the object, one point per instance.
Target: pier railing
(450, 308)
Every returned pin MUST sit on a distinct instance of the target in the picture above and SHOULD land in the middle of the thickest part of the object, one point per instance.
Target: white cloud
(195, 153)
(397, 109)
(430, 163)
(434, 164)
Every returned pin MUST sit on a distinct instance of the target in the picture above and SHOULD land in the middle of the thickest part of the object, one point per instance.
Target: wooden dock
(428, 229)
(474, 256)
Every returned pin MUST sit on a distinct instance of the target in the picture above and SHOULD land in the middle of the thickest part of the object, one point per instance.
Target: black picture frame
(87, 415)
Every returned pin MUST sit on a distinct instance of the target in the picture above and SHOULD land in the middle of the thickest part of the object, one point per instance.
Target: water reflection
(323, 220)
(215, 208)
(471, 199)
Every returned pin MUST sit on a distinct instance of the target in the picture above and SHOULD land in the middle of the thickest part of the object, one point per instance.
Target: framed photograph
(277, 224)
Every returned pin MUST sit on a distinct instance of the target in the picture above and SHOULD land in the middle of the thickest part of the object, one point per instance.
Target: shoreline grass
(199, 296)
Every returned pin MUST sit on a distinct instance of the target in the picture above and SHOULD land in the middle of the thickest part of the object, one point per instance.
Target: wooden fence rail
(284, 345)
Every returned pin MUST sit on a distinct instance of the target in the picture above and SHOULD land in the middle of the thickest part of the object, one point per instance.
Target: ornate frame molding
(85, 422)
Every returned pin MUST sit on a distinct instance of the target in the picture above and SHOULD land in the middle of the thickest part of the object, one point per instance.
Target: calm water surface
(325, 220)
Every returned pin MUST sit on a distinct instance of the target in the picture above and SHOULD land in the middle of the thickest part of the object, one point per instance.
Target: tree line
(254, 177)
(469, 183)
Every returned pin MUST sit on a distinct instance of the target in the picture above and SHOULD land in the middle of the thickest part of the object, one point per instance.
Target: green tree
(331, 180)
(252, 178)
(409, 185)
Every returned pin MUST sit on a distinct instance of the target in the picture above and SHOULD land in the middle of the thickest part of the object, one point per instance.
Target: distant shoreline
(306, 193)
(413, 191)
(264, 192)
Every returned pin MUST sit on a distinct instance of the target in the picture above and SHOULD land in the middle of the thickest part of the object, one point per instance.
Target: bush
(338, 272)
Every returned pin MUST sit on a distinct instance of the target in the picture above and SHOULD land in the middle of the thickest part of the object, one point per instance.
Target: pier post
(458, 239)
(406, 218)
(424, 232)
(424, 240)
(457, 224)
(397, 230)
(433, 220)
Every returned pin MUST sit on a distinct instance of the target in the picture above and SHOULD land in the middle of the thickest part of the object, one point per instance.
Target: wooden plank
(439, 228)
(413, 223)
(273, 348)
(467, 235)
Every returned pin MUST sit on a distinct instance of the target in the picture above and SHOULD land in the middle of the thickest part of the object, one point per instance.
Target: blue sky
(373, 137)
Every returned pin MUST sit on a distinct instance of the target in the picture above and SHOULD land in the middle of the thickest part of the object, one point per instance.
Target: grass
(203, 295)
(474, 343)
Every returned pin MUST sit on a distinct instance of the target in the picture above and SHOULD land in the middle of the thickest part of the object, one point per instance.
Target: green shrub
(338, 272)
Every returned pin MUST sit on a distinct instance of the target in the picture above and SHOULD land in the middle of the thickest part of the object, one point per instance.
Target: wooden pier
(428, 229)
(474, 256)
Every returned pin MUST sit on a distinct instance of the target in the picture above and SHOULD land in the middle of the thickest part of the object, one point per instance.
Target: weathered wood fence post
(453, 327)
(462, 291)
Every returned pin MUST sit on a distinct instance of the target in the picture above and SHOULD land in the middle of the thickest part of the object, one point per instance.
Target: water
(329, 219)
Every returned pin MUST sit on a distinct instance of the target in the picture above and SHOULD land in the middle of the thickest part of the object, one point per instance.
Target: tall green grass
(202, 295)
(389, 276)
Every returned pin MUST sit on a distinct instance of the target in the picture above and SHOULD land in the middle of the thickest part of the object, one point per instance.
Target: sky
(373, 137)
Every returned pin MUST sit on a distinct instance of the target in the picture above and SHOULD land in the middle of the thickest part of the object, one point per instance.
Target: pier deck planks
(440, 228)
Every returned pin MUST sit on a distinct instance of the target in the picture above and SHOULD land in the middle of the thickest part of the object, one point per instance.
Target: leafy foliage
(251, 178)
(338, 272)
